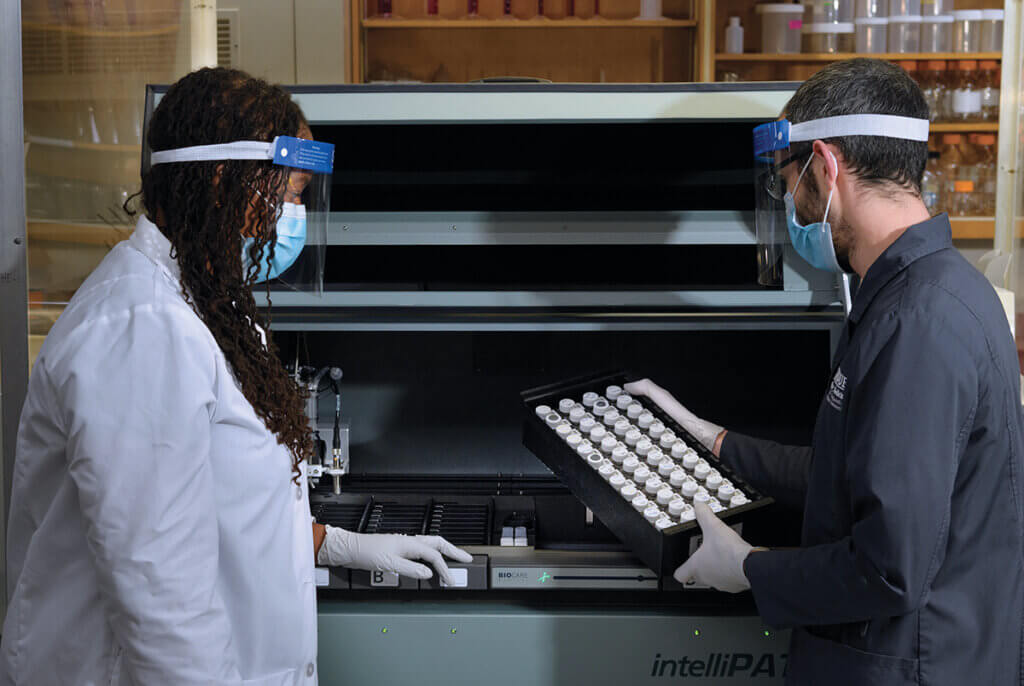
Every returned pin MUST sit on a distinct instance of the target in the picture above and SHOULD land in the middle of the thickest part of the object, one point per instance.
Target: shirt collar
(917, 241)
(151, 242)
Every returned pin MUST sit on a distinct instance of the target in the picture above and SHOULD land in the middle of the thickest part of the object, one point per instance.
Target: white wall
(292, 41)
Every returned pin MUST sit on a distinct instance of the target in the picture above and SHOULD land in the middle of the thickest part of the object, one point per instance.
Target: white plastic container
(656, 430)
(610, 417)
(653, 485)
(640, 502)
(820, 12)
(663, 523)
(734, 36)
(587, 424)
(937, 33)
(641, 475)
(689, 489)
(654, 458)
(904, 8)
(992, 30)
(542, 411)
(632, 437)
(613, 392)
(781, 26)
(634, 410)
(714, 481)
(690, 460)
(678, 450)
(871, 8)
(828, 38)
(666, 468)
(600, 407)
(608, 443)
(967, 30)
(624, 401)
(565, 405)
(726, 492)
(589, 399)
(630, 464)
(645, 420)
(617, 481)
(871, 35)
(936, 8)
(643, 447)
(905, 34)
(619, 454)
(667, 439)
(677, 478)
(665, 495)
(622, 427)
(629, 490)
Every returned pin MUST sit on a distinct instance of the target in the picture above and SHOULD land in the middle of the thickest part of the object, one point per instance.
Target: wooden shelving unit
(978, 228)
(836, 57)
(577, 50)
(77, 232)
(979, 127)
(571, 23)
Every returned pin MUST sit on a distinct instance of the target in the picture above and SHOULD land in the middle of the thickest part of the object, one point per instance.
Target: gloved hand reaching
(718, 562)
(389, 553)
(703, 431)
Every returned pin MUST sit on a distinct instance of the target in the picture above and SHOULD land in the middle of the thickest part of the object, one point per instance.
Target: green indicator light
(454, 630)
(544, 577)
(383, 629)
(696, 632)
(767, 633)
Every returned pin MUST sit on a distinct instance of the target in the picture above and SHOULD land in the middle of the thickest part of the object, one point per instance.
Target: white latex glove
(705, 432)
(389, 553)
(718, 562)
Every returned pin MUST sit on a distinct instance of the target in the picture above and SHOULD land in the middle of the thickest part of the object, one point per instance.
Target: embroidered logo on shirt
(837, 391)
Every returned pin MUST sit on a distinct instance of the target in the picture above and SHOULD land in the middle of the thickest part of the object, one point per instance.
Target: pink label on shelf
(796, 24)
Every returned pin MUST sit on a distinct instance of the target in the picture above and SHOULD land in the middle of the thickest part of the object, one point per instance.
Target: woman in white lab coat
(160, 530)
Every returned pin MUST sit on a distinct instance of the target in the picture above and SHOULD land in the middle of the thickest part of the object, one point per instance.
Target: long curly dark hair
(204, 207)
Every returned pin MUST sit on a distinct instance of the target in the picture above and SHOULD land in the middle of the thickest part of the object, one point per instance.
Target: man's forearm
(319, 532)
(718, 443)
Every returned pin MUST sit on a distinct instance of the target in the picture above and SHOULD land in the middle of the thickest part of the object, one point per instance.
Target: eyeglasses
(772, 181)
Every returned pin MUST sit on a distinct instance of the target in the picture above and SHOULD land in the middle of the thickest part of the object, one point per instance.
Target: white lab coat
(155, 535)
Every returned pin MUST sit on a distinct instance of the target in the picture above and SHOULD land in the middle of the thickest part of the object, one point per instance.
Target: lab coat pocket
(814, 661)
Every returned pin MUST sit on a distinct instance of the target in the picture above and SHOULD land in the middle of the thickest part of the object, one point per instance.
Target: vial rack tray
(662, 546)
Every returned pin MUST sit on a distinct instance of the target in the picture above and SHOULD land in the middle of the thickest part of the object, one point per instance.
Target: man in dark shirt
(911, 569)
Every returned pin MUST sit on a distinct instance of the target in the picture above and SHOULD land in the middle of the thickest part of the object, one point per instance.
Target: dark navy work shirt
(912, 565)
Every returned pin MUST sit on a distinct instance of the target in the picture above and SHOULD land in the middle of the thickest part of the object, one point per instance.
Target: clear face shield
(302, 206)
(772, 156)
(778, 164)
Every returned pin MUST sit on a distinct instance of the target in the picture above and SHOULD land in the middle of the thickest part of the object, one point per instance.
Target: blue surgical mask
(291, 239)
(813, 242)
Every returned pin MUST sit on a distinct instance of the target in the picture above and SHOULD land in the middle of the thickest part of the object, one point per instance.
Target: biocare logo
(721, 665)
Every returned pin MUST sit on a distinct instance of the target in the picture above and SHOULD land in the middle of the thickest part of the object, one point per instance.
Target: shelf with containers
(85, 68)
(457, 41)
(956, 61)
